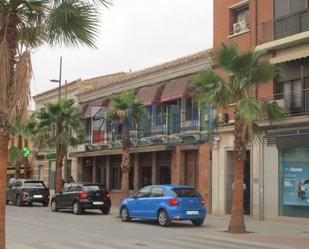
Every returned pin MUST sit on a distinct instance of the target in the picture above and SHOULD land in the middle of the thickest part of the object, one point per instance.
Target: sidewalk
(265, 234)
(275, 234)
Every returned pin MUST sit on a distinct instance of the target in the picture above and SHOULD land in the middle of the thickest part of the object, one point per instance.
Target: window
(286, 7)
(41, 172)
(18, 184)
(34, 184)
(291, 92)
(87, 125)
(157, 192)
(99, 126)
(66, 188)
(186, 192)
(116, 178)
(160, 115)
(143, 193)
(239, 19)
(89, 188)
(191, 110)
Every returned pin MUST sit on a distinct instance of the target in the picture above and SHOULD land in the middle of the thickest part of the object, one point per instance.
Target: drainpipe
(261, 176)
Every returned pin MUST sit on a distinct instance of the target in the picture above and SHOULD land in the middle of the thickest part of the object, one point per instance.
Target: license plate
(37, 196)
(98, 203)
(192, 212)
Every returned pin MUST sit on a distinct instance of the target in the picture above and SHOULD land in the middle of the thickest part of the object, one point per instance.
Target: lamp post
(59, 95)
(59, 80)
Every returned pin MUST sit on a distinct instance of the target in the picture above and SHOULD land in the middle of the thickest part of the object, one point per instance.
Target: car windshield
(88, 188)
(186, 192)
(34, 185)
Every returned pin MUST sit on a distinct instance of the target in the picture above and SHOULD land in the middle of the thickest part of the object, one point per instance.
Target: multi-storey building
(169, 145)
(277, 167)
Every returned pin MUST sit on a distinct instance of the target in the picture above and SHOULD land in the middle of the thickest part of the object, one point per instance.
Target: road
(38, 228)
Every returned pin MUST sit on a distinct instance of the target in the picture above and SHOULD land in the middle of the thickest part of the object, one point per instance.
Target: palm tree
(18, 129)
(26, 25)
(127, 111)
(247, 70)
(59, 124)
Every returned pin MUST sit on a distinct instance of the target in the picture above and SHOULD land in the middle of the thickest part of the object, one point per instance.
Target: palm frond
(15, 155)
(226, 56)
(213, 90)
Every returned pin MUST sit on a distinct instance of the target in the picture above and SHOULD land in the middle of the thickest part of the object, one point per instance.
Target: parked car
(26, 191)
(81, 196)
(165, 203)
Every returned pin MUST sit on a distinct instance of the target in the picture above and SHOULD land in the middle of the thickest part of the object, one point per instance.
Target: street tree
(26, 25)
(246, 71)
(59, 124)
(128, 112)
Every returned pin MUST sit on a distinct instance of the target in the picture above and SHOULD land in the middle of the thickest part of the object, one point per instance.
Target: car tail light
(173, 202)
(203, 202)
(83, 195)
(108, 195)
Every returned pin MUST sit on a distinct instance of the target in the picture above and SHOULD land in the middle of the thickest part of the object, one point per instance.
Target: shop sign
(296, 185)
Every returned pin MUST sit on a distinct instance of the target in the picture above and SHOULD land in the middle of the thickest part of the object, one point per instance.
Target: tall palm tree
(25, 25)
(59, 124)
(128, 112)
(246, 70)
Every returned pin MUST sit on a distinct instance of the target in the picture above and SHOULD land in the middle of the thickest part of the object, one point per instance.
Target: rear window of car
(186, 192)
(34, 185)
(88, 188)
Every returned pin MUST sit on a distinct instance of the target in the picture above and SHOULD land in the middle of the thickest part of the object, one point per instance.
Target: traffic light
(26, 151)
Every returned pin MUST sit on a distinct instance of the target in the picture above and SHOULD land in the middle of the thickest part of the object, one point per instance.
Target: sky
(134, 34)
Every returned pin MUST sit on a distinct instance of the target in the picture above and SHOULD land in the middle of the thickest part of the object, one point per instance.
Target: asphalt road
(38, 228)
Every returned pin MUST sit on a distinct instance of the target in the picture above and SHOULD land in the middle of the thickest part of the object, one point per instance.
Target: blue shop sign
(296, 185)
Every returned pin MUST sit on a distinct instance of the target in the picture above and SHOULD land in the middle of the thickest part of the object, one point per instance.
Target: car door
(63, 196)
(155, 200)
(9, 192)
(15, 190)
(141, 203)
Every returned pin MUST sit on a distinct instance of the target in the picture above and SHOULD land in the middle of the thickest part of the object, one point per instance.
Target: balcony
(284, 26)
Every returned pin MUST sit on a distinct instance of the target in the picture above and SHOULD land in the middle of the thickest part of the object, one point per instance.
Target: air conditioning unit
(240, 27)
(280, 102)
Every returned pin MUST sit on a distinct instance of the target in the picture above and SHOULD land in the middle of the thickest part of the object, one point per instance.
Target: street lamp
(59, 80)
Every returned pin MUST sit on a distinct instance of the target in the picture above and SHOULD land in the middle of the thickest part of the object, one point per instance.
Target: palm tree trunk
(4, 142)
(125, 164)
(59, 179)
(27, 169)
(237, 222)
(18, 163)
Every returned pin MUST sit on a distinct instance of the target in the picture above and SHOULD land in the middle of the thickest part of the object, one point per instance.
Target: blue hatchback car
(165, 203)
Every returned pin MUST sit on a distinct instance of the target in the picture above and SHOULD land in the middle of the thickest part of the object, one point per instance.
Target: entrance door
(191, 158)
(164, 162)
(230, 180)
(146, 169)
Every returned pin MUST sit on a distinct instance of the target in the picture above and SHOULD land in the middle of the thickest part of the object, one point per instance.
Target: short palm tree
(59, 124)
(128, 112)
(18, 129)
(246, 70)
(26, 25)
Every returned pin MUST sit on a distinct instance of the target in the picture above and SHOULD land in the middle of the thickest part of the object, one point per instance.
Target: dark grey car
(26, 191)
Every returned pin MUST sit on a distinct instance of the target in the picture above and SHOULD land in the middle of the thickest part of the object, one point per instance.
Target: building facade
(278, 167)
(169, 146)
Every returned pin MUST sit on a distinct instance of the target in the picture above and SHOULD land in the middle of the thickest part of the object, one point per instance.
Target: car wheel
(163, 219)
(105, 210)
(197, 223)
(76, 208)
(18, 202)
(53, 206)
(124, 214)
(45, 203)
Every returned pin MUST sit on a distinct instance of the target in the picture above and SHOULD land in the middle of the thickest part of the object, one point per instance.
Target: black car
(82, 196)
(24, 191)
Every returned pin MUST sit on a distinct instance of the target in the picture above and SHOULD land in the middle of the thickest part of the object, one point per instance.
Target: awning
(176, 89)
(92, 108)
(291, 54)
(149, 95)
(293, 141)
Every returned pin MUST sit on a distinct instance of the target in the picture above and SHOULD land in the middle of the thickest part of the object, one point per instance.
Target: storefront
(294, 175)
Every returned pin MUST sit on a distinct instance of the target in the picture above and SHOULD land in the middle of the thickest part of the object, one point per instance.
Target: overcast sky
(135, 34)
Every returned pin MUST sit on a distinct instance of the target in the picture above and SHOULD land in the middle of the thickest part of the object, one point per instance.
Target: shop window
(239, 19)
